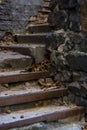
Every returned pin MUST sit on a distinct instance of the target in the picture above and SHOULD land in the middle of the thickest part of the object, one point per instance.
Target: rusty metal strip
(34, 96)
(46, 117)
(21, 76)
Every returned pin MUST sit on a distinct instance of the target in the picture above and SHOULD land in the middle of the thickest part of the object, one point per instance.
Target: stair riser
(22, 76)
(30, 39)
(22, 50)
(45, 12)
(15, 64)
(47, 117)
(30, 97)
(39, 29)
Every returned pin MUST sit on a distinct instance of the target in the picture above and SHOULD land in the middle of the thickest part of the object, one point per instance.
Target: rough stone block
(79, 76)
(58, 19)
(74, 88)
(38, 52)
(63, 76)
(77, 61)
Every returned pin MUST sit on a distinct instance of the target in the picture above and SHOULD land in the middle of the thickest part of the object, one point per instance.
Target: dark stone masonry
(67, 46)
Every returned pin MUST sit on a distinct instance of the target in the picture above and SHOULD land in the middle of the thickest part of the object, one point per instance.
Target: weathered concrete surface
(52, 126)
(14, 15)
(36, 51)
(14, 60)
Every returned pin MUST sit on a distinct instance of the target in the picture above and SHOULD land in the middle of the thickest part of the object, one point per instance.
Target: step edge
(48, 117)
(34, 96)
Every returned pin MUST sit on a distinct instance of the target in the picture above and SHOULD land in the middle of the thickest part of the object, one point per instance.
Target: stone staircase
(22, 100)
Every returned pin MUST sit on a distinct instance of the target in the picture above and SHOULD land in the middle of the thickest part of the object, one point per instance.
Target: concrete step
(41, 28)
(31, 38)
(31, 93)
(22, 75)
(46, 10)
(37, 114)
(36, 51)
(46, 7)
(13, 60)
(39, 18)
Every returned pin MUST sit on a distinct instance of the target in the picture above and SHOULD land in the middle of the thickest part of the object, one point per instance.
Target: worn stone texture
(13, 60)
(63, 125)
(14, 14)
(69, 62)
(83, 9)
(67, 16)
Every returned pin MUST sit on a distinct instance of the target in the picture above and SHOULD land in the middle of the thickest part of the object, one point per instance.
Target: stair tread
(37, 114)
(11, 55)
(14, 60)
(40, 25)
(43, 11)
(37, 25)
(22, 45)
(31, 38)
(36, 34)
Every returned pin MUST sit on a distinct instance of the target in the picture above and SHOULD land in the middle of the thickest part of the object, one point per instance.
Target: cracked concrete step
(37, 114)
(31, 38)
(36, 51)
(16, 76)
(14, 60)
(39, 28)
(34, 93)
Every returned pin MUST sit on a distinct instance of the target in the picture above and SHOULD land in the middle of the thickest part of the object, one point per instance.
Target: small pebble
(21, 116)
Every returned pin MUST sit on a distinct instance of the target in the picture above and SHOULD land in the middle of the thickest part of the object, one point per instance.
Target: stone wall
(67, 46)
(14, 14)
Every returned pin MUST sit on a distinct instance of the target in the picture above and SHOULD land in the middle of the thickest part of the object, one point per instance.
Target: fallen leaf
(8, 111)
